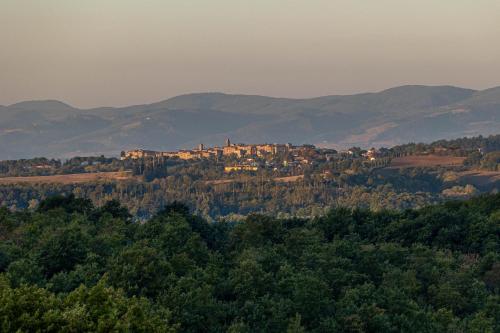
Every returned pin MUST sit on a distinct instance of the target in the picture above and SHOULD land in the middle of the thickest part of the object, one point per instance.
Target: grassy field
(70, 178)
(287, 179)
(426, 161)
(479, 177)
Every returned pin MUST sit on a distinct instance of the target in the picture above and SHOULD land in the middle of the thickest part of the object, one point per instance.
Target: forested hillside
(401, 177)
(66, 265)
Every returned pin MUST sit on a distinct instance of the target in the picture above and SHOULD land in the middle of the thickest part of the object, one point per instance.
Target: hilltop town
(238, 150)
(249, 157)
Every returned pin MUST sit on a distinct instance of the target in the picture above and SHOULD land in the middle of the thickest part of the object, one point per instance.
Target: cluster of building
(251, 157)
(229, 149)
(371, 154)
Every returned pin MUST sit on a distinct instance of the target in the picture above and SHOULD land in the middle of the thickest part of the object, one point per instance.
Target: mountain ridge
(194, 94)
(391, 116)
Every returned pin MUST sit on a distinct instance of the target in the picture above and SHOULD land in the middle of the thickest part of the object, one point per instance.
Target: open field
(479, 177)
(70, 178)
(413, 161)
(287, 179)
(219, 181)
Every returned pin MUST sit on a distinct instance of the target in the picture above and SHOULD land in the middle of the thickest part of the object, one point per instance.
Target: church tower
(228, 142)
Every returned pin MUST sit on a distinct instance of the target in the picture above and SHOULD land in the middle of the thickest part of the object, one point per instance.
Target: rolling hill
(393, 116)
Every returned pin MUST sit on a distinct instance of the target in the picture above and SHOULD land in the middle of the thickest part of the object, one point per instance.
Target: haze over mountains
(398, 115)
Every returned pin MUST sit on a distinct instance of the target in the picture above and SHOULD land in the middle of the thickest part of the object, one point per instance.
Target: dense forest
(246, 194)
(42, 166)
(67, 265)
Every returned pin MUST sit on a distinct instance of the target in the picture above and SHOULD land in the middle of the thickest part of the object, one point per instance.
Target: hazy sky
(119, 52)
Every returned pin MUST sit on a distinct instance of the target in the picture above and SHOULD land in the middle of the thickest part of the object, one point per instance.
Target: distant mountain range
(398, 115)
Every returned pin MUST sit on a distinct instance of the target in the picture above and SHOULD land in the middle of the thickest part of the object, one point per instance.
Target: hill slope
(393, 116)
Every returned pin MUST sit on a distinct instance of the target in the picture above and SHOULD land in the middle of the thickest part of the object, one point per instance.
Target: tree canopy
(69, 266)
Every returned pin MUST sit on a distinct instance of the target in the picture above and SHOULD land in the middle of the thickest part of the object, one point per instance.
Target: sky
(121, 52)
